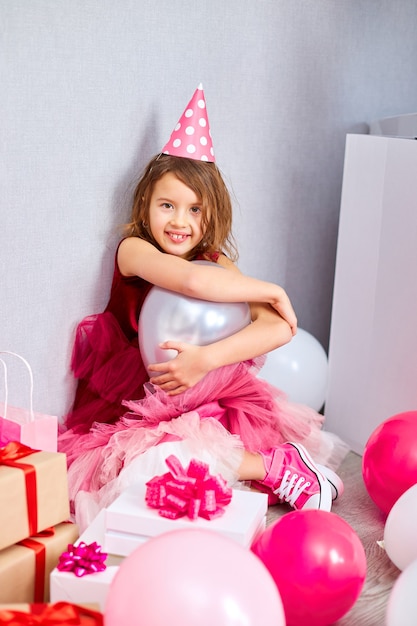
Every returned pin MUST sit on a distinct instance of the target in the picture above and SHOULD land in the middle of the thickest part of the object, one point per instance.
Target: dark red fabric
(106, 359)
(126, 300)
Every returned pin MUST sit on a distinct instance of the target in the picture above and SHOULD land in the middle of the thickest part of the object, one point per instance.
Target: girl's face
(175, 216)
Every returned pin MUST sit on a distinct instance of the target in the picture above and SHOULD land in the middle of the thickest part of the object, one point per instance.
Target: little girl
(207, 402)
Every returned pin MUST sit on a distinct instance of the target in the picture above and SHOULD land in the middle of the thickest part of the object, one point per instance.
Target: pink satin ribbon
(193, 492)
(82, 559)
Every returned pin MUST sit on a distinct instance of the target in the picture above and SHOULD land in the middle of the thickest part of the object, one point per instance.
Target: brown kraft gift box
(33, 492)
(25, 567)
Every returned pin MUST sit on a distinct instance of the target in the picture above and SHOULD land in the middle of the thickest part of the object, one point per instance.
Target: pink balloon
(318, 564)
(193, 578)
(389, 462)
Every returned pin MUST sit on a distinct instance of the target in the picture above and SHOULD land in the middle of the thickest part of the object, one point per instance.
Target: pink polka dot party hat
(191, 136)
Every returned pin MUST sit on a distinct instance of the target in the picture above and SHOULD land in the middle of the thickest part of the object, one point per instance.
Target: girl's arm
(267, 331)
(137, 257)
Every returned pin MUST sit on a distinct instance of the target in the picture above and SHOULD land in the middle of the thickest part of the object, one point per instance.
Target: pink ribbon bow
(82, 559)
(193, 492)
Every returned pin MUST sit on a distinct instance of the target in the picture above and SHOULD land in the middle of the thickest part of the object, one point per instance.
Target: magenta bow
(82, 559)
(193, 492)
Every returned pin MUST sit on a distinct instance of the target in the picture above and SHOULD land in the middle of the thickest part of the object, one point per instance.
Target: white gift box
(124, 544)
(91, 588)
(129, 521)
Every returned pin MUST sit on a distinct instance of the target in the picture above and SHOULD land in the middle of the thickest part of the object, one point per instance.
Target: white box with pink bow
(129, 521)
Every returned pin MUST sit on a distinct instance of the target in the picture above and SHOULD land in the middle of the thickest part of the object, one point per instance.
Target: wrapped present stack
(181, 498)
(34, 526)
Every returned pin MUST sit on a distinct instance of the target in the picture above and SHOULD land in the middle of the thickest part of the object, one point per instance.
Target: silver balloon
(169, 316)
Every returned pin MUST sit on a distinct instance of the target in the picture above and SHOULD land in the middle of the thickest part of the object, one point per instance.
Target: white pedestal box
(373, 338)
(123, 544)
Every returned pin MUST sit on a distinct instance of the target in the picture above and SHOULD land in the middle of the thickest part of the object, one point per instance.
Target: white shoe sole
(336, 483)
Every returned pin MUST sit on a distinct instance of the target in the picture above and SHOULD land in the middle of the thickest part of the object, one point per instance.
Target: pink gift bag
(36, 430)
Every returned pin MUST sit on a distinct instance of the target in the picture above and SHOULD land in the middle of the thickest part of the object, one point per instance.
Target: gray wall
(91, 89)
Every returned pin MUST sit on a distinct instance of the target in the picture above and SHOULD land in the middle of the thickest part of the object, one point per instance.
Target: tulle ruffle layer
(244, 404)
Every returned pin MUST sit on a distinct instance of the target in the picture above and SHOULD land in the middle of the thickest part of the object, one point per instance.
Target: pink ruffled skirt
(228, 411)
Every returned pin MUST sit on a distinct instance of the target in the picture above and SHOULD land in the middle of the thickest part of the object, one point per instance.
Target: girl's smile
(175, 216)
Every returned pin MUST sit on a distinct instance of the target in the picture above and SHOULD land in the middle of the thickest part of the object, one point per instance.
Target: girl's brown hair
(206, 181)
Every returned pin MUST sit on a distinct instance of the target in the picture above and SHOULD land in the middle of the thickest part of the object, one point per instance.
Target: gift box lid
(129, 513)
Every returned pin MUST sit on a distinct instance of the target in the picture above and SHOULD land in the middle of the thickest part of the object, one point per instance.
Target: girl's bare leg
(252, 467)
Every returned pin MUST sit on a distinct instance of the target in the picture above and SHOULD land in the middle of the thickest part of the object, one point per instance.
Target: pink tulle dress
(121, 427)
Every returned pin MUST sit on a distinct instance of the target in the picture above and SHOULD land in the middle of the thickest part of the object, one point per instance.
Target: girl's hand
(182, 372)
(284, 307)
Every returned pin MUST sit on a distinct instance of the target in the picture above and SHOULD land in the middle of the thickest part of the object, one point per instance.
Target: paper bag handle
(6, 393)
(6, 390)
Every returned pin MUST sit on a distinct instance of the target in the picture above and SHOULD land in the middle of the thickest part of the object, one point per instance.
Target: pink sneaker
(294, 478)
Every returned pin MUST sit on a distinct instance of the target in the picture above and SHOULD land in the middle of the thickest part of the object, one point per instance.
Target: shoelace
(291, 487)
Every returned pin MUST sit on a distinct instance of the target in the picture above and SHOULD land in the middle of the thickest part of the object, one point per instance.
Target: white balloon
(400, 534)
(300, 369)
(402, 601)
(169, 316)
